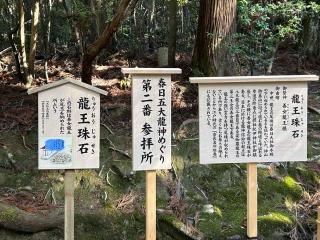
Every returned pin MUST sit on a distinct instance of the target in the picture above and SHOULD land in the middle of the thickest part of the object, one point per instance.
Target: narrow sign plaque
(151, 100)
(151, 117)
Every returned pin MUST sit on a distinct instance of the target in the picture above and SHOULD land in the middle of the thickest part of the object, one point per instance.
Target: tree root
(172, 226)
(15, 219)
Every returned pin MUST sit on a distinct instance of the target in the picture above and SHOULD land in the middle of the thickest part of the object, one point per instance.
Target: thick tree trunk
(23, 55)
(34, 36)
(94, 49)
(217, 20)
(311, 36)
(172, 33)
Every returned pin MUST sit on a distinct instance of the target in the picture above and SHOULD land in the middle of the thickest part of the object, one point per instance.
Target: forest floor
(194, 201)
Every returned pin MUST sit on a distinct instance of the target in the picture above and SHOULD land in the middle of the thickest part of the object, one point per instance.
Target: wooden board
(68, 128)
(151, 122)
(253, 122)
(254, 79)
(151, 71)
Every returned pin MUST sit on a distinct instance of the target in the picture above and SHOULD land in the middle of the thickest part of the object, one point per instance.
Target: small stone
(234, 237)
(27, 188)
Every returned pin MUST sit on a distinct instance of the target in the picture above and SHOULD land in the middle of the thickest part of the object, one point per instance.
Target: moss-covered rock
(8, 215)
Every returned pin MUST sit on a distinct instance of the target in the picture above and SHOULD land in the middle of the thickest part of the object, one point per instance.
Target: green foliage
(276, 219)
(262, 26)
(125, 83)
(83, 13)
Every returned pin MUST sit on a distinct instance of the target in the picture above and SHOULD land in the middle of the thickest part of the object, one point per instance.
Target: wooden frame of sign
(68, 133)
(250, 120)
(151, 130)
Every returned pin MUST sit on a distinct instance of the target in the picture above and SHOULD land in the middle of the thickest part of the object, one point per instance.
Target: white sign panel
(253, 122)
(151, 122)
(69, 132)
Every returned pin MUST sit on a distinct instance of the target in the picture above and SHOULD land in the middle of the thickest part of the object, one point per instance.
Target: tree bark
(172, 33)
(75, 29)
(15, 50)
(94, 49)
(23, 55)
(47, 34)
(15, 219)
(217, 20)
(34, 36)
(311, 36)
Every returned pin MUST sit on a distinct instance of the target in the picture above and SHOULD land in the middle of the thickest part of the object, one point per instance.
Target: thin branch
(120, 151)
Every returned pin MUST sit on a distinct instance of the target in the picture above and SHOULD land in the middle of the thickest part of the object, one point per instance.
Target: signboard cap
(151, 71)
(254, 79)
(66, 81)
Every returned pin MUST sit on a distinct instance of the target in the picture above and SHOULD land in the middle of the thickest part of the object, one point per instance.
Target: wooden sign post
(68, 133)
(251, 120)
(69, 204)
(318, 223)
(252, 200)
(151, 130)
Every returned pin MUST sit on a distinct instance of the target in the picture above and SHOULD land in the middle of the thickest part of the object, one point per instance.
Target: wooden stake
(252, 205)
(318, 224)
(69, 205)
(151, 226)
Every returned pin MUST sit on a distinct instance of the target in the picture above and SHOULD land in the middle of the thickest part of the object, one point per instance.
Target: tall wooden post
(61, 147)
(151, 221)
(252, 201)
(151, 114)
(69, 205)
(318, 224)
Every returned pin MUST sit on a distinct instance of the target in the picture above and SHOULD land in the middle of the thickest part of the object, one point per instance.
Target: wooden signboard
(253, 119)
(68, 133)
(151, 130)
(250, 120)
(151, 117)
(68, 125)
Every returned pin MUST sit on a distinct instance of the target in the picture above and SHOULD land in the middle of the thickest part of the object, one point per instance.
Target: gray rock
(234, 237)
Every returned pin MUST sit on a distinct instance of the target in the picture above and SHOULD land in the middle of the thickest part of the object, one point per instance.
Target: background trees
(91, 52)
(46, 40)
(222, 37)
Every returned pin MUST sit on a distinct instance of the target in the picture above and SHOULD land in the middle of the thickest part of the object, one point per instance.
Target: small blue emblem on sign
(54, 144)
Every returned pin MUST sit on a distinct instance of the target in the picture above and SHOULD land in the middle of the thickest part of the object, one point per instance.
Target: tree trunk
(34, 36)
(311, 36)
(94, 49)
(23, 55)
(96, 9)
(74, 28)
(172, 33)
(15, 219)
(151, 27)
(47, 35)
(217, 20)
(15, 50)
